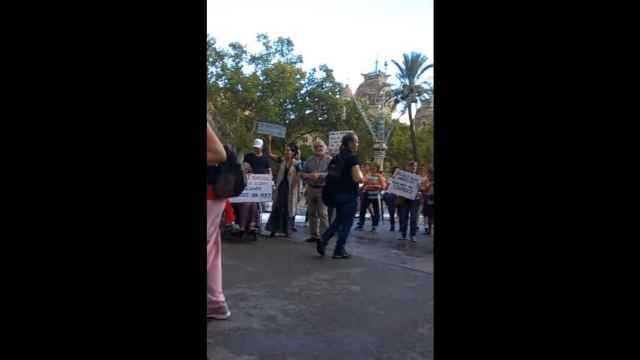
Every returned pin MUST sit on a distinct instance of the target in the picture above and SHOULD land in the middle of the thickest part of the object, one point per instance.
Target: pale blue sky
(347, 35)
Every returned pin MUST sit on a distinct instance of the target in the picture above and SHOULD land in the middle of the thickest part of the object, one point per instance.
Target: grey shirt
(315, 164)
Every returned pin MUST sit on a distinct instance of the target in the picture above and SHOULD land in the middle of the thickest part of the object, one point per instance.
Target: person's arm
(269, 153)
(356, 174)
(215, 150)
(383, 182)
(306, 171)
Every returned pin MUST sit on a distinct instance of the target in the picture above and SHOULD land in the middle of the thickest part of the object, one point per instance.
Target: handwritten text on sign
(266, 128)
(258, 189)
(405, 184)
(335, 140)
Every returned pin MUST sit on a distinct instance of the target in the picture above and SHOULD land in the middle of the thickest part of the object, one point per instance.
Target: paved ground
(288, 303)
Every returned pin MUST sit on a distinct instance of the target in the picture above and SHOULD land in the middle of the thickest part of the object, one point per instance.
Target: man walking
(341, 189)
(313, 173)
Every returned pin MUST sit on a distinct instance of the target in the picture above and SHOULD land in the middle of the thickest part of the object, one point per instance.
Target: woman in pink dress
(216, 303)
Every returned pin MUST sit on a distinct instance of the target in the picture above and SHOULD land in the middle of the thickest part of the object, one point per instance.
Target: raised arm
(269, 153)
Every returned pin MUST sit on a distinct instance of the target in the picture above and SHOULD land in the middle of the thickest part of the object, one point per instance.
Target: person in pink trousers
(216, 303)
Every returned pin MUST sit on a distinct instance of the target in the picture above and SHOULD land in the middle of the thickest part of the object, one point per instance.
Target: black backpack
(227, 178)
(334, 173)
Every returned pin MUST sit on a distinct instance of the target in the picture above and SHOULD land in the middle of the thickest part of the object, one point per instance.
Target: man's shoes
(310, 240)
(321, 246)
(392, 228)
(218, 312)
(341, 254)
(404, 237)
(373, 229)
(358, 228)
(413, 238)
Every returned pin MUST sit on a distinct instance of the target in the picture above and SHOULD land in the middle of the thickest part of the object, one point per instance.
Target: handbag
(227, 179)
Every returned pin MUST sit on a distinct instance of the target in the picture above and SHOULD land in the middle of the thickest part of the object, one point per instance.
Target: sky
(347, 35)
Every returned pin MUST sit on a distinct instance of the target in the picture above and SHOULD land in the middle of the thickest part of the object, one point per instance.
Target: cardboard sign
(405, 184)
(259, 187)
(335, 140)
(266, 128)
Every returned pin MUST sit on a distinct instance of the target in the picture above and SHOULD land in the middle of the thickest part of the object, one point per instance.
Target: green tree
(399, 154)
(270, 85)
(410, 90)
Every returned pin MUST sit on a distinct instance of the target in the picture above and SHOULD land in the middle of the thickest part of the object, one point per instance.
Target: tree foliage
(411, 91)
(399, 154)
(271, 86)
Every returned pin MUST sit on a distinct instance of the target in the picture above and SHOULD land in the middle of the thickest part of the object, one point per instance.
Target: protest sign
(335, 140)
(258, 189)
(266, 128)
(405, 184)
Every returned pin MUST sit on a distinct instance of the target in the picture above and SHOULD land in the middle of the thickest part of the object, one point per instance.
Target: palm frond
(424, 69)
(400, 69)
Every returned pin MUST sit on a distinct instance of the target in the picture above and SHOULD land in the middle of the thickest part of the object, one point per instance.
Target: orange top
(374, 182)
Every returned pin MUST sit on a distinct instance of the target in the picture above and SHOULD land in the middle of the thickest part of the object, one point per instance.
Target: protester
(408, 209)
(216, 303)
(423, 187)
(285, 197)
(343, 189)
(248, 214)
(374, 182)
(313, 173)
(256, 162)
(427, 209)
(390, 200)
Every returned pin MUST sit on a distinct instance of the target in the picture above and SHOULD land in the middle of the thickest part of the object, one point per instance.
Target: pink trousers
(214, 252)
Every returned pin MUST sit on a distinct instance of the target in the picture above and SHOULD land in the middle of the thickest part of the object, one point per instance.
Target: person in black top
(248, 218)
(258, 160)
(346, 194)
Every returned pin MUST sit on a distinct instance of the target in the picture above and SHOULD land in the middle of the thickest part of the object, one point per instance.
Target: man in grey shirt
(313, 173)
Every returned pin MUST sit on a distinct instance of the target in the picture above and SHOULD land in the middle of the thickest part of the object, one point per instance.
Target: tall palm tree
(410, 90)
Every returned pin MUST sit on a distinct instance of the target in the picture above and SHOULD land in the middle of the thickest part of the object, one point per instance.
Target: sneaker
(321, 245)
(358, 228)
(218, 312)
(413, 238)
(310, 240)
(404, 237)
(392, 228)
(373, 229)
(341, 254)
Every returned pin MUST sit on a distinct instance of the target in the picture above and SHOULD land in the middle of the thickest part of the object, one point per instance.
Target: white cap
(258, 143)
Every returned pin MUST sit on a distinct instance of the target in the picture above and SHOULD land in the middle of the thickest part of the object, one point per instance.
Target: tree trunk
(412, 129)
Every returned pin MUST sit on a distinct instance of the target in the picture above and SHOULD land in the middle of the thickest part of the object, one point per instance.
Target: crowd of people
(338, 185)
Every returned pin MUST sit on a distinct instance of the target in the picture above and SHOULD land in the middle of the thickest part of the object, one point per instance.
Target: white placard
(266, 128)
(335, 140)
(258, 189)
(405, 184)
